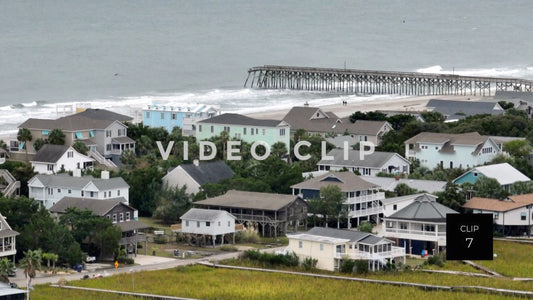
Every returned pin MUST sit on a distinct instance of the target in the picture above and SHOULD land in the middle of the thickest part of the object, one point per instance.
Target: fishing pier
(351, 81)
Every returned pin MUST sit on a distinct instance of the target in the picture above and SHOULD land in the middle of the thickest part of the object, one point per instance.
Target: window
(200, 128)
(403, 226)
(162, 116)
(523, 216)
(207, 224)
(79, 135)
(127, 216)
(70, 191)
(300, 244)
(226, 128)
(45, 132)
(148, 115)
(59, 190)
(108, 217)
(70, 154)
(187, 223)
(82, 193)
(282, 132)
(50, 191)
(105, 194)
(108, 133)
(108, 147)
(244, 131)
(238, 136)
(91, 194)
(394, 207)
(229, 223)
(91, 133)
(322, 247)
(114, 218)
(50, 167)
(77, 165)
(198, 224)
(218, 223)
(429, 227)
(257, 131)
(121, 218)
(496, 216)
(173, 117)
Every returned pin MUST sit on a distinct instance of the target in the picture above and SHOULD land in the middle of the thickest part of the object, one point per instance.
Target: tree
(279, 149)
(403, 189)
(300, 134)
(172, 204)
(330, 204)
(3, 145)
(80, 147)
(453, 196)
(6, 267)
(50, 257)
(56, 137)
(39, 143)
(521, 187)
(433, 117)
(365, 227)
(128, 158)
(489, 188)
(517, 148)
(24, 136)
(31, 263)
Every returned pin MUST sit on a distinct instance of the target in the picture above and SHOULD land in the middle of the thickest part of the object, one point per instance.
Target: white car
(90, 259)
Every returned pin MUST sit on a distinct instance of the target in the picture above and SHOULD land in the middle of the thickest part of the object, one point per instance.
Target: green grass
(513, 260)
(46, 292)
(207, 283)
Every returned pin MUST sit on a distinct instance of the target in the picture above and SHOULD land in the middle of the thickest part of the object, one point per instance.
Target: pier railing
(352, 81)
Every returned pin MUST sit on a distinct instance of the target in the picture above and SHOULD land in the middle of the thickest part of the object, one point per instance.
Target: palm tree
(6, 268)
(56, 137)
(31, 263)
(24, 136)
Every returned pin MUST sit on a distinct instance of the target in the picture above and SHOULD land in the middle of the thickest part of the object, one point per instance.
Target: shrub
(247, 236)
(290, 259)
(228, 248)
(160, 239)
(435, 260)
(347, 266)
(361, 267)
(309, 263)
(125, 260)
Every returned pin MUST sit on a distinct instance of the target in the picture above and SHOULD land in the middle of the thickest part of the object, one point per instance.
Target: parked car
(90, 259)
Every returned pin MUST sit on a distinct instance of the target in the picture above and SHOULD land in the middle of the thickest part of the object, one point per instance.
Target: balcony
(365, 198)
(365, 212)
(395, 252)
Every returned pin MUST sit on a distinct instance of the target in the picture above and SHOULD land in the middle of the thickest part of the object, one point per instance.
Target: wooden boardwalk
(351, 81)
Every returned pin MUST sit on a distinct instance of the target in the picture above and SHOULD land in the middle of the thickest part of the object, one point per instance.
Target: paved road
(168, 264)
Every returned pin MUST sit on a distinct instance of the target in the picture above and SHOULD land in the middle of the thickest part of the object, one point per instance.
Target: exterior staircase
(13, 185)
(101, 159)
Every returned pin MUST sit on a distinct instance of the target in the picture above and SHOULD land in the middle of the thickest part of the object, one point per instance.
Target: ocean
(122, 55)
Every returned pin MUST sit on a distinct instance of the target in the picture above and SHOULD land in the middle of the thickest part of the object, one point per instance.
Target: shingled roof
(374, 160)
(88, 119)
(199, 214)
(351, 235)
(455, 110)
(208, 172)
(97, 206)
(469, 138)
(66, 181)
(237, 119)
(424, 208)
(346, 181)
(50, 153)
(254, 200)
(511, 203)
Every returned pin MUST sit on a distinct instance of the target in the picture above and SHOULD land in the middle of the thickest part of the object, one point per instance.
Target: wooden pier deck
(352, 81)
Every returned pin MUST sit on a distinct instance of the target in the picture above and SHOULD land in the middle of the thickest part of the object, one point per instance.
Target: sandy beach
(413, 104)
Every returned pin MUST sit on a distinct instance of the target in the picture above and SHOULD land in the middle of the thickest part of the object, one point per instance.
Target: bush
(309, 263)
(290, 259)
(125, 260)
(361, 267)
(435, 260)
(347, 265)
(247, 236)
(160, 239)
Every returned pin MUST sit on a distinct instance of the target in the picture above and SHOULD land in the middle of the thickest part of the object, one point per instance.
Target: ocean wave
(518, 72)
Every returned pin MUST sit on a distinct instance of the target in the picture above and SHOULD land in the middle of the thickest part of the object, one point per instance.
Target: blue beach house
(504, 173)
(185, 117)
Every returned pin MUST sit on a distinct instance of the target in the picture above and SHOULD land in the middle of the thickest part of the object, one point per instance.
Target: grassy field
(207, 283)
(513, 259)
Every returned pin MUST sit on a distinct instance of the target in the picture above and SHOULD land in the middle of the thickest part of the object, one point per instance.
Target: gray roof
(255, 200)
(89, 119)
(509, 95)
(389, 184)
(375, 160)
(123, 140)
(424, 208)
(50, 153)
(352, 235)
(404, 198)
(8, 232)
(305, 118)
(131, 225)
(469, 138)
(66, 181)
(199, 214)
(346, 181)
(97, 206)
(460, 109)
(237, 119)
(208, 172)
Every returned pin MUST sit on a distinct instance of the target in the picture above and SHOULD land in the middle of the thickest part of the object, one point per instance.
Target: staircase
(102, 160)
(12, 184)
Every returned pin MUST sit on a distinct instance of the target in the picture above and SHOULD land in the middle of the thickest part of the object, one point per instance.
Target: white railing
(365, 198)
(394, 252)
(11, 188)
(101, 159)
(414, 232)
(366, 212)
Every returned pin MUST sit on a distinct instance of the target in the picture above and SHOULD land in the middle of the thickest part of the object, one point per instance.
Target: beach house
(244, 128)
(367, 165)
(331, 246)
(51, 159)
(457, 110)
(511, 216)
(504, 173)
(194, 175)
(207, 222)
(8, 245)
(363, 200)
(448, 150)
(421, 225)
(49, 189)
(101, 130)
(171, 115)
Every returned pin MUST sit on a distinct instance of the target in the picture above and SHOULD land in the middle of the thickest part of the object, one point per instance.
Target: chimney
(196, 162)
(76, 173)
(104, 175)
